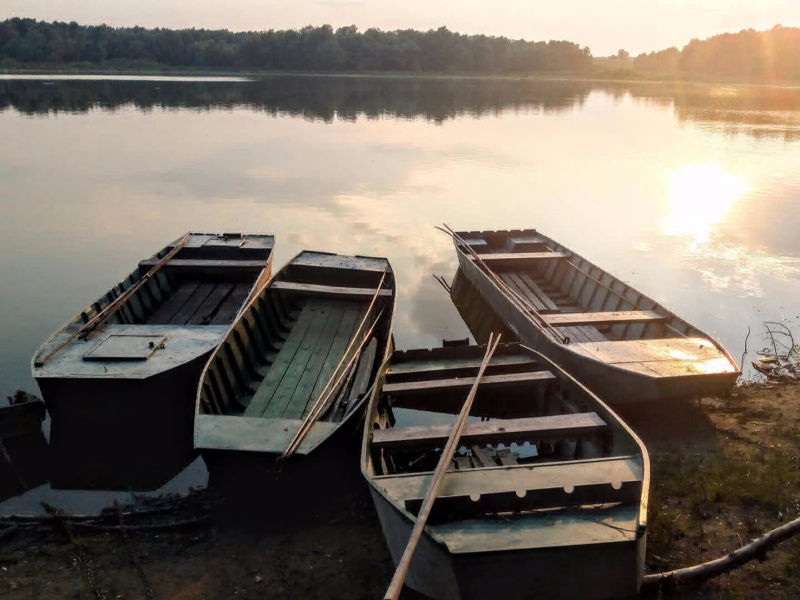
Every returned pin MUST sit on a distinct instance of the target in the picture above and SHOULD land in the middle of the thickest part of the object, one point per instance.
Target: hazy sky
(637, 25)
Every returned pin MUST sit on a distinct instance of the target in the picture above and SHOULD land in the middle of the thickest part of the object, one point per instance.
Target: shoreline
(707, 499)
(595, 77)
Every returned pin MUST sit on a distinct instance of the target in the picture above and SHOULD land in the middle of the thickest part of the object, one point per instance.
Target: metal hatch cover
(126, 347)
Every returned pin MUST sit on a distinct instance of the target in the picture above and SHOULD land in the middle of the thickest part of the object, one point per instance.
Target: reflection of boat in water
(622, 344)
(547, 493)
(119, 380)
(300, 358)
(23, 448)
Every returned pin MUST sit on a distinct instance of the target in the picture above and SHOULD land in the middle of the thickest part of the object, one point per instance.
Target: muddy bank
(724, 470)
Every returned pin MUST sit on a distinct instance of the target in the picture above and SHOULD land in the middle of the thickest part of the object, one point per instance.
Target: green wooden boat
(547, 493)
(625, 346)
(304, 353)
(119, 379)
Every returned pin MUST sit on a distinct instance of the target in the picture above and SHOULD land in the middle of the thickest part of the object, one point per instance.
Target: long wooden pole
(396, 585)
(112, 307)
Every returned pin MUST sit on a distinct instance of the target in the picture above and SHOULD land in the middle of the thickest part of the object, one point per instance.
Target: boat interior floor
(201, 303)
(314, 332)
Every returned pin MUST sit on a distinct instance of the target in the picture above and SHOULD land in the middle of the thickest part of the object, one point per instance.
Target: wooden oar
(318, 407)
(396, 585)
(112, 307)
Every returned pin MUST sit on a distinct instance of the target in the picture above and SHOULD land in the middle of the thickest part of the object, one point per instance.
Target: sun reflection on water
(699, 198)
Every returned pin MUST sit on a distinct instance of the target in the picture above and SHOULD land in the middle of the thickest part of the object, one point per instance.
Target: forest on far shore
(316, 49)
(772, 55)
(749, 55)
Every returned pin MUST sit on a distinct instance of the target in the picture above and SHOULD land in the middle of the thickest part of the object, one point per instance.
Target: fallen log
(756, 549)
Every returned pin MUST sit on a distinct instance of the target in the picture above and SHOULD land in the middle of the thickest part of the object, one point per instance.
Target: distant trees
(307, 49)
(771, 55)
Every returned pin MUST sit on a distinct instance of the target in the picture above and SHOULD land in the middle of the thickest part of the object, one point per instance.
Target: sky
(635, 25)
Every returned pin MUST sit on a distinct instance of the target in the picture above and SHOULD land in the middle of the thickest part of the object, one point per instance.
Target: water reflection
(315, 98)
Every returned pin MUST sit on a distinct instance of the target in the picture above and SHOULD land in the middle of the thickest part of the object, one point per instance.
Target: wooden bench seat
(517, 258)
(522, 487)
(196, 263)
(603, 318)
(314, 289)
(457, 383)
(506, 430)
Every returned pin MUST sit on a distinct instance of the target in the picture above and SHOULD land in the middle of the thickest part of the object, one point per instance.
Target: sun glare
(699, 198)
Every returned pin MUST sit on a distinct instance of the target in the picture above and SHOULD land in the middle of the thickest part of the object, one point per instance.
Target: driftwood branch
(756, 549)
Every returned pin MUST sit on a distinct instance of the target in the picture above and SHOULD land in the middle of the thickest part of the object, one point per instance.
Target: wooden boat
(622, 344)
(23, 446)
(119, 380)
(304, 352)
(547, 494)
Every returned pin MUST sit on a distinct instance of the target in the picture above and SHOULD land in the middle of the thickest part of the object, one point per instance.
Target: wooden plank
(422, 387)
(276, 372)
(302, 393)
(191, 305)
(603, 318)
(506, 457)
(512, 281)
(164, 313)
(517, 258)
(665, 349)
(193, 263)
(362, 379)
(548, 302)
(350, 319)
(232, 304)
(208, 307)
(482, 456)
(440, 366)
(484, 432)
(294, 371)
(334, 291)
(462, 462)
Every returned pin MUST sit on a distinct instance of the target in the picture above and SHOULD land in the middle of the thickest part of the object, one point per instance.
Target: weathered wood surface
(248, 434)
(517, 258)
(567, 474)
(311, 289)
(507, 430)
(422, 387)
(668, 357)
(199, 263)
(603, 318)
(440, 366)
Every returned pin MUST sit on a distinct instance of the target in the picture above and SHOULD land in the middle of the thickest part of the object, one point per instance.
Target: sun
(699, 198)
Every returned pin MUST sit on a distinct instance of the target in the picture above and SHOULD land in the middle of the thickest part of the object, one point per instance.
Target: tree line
(26, 41)
(771, 55)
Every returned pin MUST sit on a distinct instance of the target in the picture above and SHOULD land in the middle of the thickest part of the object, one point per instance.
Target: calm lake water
(691, 193)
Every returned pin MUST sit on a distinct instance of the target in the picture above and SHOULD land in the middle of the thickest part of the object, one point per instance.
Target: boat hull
(118, 434)
(604, 570)
(615, 385)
